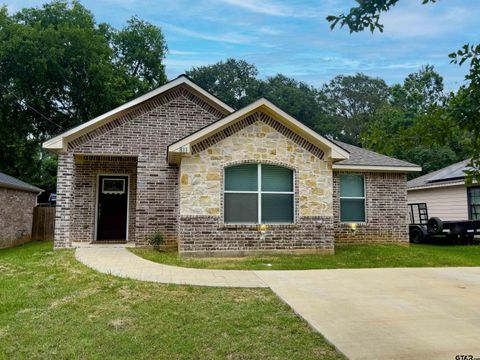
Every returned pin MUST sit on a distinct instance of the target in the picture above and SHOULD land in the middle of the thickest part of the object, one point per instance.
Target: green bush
(156, 240)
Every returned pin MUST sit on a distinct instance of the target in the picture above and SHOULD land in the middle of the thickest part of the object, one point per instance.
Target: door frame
(97, 188)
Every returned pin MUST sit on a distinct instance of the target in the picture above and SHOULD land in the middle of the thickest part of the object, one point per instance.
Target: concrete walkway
(407, 313)
(121, 262)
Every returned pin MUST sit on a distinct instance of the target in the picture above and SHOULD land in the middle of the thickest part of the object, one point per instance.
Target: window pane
(474, 195)
(277, 208)
(276, 178)
(241, 178)
(351, 186)
(352, 209)
(241, 208)
(113, 186)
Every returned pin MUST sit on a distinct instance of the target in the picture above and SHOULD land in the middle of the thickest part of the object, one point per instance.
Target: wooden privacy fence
(43, 225)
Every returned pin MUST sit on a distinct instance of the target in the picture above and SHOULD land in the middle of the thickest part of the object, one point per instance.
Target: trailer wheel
(435, 226)
(416, 236)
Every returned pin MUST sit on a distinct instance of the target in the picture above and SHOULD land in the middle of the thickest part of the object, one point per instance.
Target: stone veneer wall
(144, 132)
(85, 199)
(387, 210)
(201, 230)
(16, 215)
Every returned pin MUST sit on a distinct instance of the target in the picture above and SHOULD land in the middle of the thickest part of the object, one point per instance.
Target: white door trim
(96, 202)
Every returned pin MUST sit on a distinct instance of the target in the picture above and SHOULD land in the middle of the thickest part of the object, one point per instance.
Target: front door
(112, 208)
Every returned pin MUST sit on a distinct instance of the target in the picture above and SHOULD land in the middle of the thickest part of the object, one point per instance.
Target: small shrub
(156, 240)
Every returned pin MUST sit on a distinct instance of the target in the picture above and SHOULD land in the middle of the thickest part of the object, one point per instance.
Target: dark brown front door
(112, 208)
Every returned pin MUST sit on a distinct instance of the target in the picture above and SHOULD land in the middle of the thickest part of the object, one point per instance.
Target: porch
(104, 193)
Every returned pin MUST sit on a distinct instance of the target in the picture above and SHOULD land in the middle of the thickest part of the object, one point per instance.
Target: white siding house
(445, 193)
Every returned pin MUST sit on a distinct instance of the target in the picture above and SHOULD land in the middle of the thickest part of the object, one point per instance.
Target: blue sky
(293, 38)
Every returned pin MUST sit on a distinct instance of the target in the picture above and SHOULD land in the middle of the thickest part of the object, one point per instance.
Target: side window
(352, 198)
(474, 203)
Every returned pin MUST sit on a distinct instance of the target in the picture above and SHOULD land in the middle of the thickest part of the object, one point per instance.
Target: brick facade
(208, 236)
(387, 213)
(144, 133)
(85, 188)
(186, 204)
(16, 215)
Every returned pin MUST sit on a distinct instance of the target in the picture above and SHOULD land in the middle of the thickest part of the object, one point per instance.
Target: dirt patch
(120, 324)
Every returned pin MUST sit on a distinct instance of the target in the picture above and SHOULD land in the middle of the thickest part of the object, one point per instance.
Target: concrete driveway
(418, 313)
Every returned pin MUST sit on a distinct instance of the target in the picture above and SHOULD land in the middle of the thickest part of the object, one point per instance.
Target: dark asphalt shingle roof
(360, 156)
(451, 174)
(7, 181)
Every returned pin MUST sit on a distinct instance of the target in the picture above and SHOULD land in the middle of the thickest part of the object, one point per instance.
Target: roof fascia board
(377, 168)
(426, 187)
(34, 190)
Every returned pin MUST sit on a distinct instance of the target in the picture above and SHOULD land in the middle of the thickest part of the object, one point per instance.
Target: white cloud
(272, 8)
(181, 53)
(423, 21)
(228, 37)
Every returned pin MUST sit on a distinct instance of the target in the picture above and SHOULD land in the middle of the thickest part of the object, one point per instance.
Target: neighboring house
(445, 193)
(17, 200)
(179, 161)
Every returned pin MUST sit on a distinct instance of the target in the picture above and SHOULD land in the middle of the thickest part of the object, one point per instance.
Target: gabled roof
(7, 181)
(451, 175)
(362, 159)
(183, 146)
(60, 142)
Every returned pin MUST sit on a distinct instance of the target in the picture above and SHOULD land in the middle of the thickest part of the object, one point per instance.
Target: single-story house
(446, 194)
(219, 181)
(17, 200)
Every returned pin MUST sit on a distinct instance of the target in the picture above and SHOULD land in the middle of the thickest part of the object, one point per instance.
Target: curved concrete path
(403, 313)
(121, 262)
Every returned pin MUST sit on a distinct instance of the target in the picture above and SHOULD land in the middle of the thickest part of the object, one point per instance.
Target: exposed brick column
(63, 215)
(157, 199)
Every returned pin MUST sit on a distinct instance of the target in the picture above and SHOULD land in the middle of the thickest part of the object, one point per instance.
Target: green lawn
(346, 256)
(52, 307)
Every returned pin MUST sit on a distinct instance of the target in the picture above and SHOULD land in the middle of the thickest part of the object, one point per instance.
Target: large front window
(258, 194)
(474, 203)
(352, 198)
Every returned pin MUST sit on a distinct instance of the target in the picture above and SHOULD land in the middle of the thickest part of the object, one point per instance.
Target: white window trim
(259, 193)
(364, 198)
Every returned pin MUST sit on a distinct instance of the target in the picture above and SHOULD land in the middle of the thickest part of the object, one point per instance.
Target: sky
(293, 38)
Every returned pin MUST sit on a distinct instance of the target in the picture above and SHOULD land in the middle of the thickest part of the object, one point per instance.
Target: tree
(138, 48)
(349, 102)
(432, 139)
(58, 68)
(366, 15)
(295, 97)
(420, 91)
(233, 81)
(466, 104)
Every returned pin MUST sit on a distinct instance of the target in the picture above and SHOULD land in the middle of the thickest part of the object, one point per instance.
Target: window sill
(255, 226)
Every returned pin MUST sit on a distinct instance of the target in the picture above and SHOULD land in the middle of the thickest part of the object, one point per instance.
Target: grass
(346, 256)
(52, 307)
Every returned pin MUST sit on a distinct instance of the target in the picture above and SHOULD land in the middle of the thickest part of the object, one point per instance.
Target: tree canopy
(59, 68)
(409, 121)
(464, 106)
